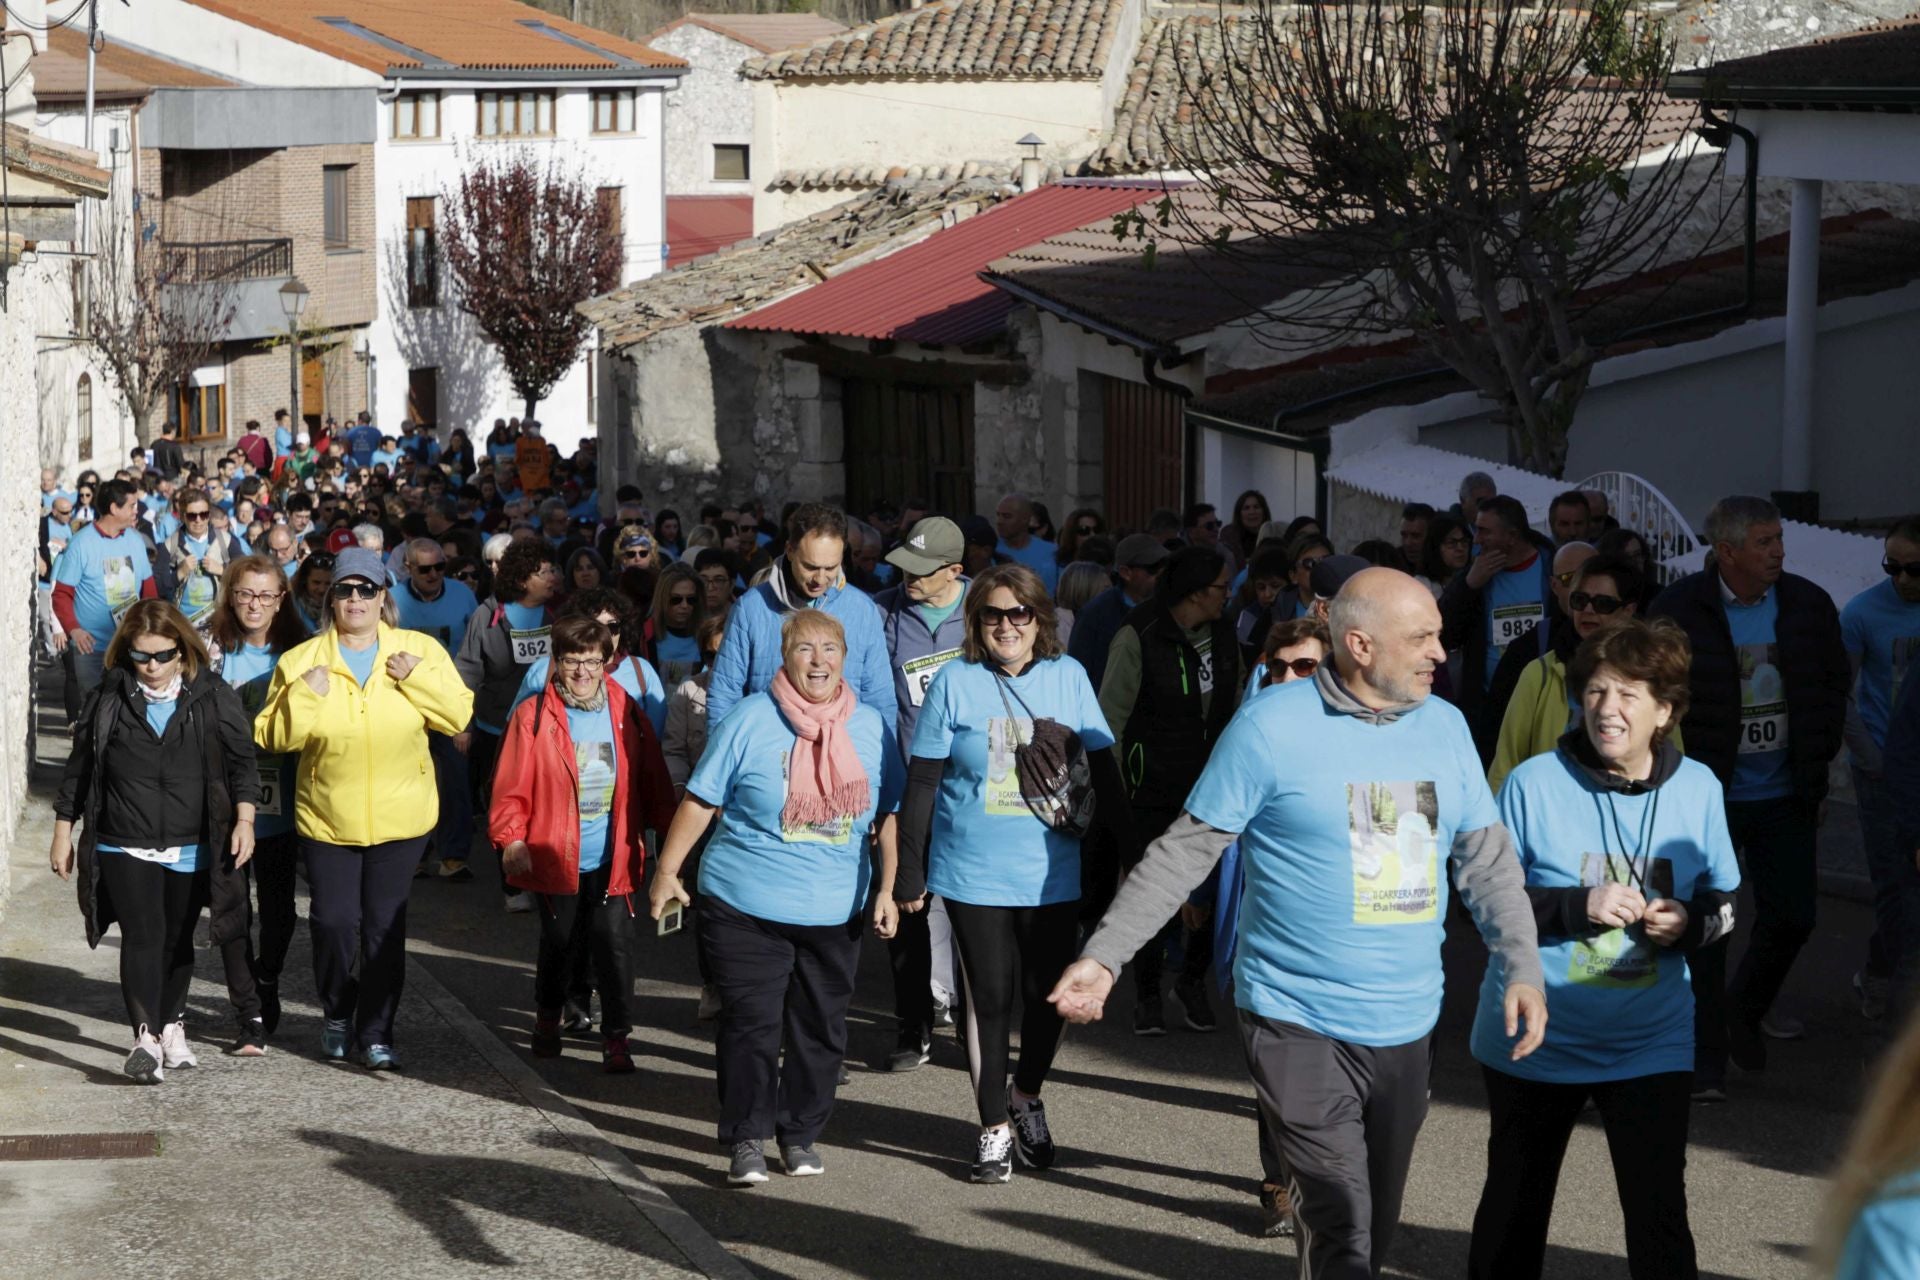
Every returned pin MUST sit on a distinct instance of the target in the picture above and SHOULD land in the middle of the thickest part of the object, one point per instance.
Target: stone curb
(700, 1249)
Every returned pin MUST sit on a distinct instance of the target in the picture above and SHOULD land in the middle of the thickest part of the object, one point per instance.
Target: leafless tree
(1472, 174)
(154, 313)
(526, 242)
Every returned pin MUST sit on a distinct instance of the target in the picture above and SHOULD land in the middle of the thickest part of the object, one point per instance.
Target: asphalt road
(1158, 1170)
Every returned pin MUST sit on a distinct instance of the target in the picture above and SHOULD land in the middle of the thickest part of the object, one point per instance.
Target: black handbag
(1056, 782)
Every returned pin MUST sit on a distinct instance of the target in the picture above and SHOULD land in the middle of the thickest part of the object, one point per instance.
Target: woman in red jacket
(580, 779)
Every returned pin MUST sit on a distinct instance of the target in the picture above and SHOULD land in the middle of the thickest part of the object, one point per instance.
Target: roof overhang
(1092, 324)
(45, 172)
(582, 76)
(1832, 146)
(1710, 91)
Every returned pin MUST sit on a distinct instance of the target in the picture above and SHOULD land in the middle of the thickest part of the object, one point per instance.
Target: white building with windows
(376, 109)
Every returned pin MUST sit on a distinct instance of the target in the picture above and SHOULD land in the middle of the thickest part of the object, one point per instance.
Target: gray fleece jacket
(1486, 874)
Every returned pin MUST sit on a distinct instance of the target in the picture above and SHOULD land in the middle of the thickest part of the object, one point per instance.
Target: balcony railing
(197, 262)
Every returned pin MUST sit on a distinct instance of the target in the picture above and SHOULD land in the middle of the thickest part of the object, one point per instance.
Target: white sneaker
(520, 903)
(144, 1064)
(174, 1050)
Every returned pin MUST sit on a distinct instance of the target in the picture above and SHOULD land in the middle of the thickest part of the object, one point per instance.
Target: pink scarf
(825, 779)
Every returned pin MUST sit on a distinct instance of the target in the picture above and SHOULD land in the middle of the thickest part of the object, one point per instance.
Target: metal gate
(1144, 459)
(906, 440)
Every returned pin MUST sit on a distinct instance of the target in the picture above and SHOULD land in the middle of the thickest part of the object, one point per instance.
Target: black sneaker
(252, 1040)
(749, 1165)
(575, 1020)
(1193, 1002)
(1745, 1044)
(269, 1005)
(913, 1050)
(1149, 1019)
(1032, 1140)
(802, 1162)
(993, 1158)
(1276, 1212)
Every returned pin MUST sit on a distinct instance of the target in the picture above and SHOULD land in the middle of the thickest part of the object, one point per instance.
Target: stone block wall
(711, 105)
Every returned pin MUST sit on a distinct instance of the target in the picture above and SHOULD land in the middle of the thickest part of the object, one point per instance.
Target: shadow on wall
(469, 377)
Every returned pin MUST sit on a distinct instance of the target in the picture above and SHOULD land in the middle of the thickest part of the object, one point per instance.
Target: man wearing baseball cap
(1136, 563)
(923, 625)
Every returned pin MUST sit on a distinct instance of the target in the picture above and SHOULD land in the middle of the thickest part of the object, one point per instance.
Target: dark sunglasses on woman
(1602, 605)
(1020, 615)
(354, 589)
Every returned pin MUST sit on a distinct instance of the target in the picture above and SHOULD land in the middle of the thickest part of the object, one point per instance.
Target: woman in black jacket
(162, 780)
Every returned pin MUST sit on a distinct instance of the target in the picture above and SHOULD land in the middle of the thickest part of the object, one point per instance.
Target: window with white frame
(613, 110)
(527, 113)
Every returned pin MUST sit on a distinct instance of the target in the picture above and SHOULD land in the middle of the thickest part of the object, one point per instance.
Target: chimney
(1032, 173)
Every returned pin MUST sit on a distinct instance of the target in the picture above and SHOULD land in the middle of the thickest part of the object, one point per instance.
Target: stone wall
(710, 106)
(19, 509)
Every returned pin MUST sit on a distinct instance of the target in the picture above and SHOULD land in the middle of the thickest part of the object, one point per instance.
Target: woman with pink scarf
(798, 776)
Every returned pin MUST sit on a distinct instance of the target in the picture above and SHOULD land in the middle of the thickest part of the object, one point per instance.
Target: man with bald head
(1349, 793)
(1012, 520)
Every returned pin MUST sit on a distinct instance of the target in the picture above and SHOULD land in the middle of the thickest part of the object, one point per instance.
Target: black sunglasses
(467, 575)
(1020, 615)
(354, 589)
(1894, 568)
(1603, 605)
(438, 566)
(196, 515)
(321, 559)
(1302, 667)
(677, 598)
(163, 656)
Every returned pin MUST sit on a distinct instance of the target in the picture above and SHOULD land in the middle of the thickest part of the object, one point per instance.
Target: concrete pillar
(1803, 306)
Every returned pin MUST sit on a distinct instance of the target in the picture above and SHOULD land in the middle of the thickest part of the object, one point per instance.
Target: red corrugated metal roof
(700, 225)
(932, 292)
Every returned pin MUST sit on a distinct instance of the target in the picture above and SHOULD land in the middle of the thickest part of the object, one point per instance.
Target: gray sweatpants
(1345, 1117)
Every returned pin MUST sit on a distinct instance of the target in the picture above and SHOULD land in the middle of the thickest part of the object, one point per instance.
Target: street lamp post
(293, 301)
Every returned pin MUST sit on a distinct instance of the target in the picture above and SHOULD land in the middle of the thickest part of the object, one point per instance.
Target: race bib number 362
(529, 646)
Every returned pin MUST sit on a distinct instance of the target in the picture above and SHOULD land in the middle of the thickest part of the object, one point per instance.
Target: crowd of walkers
(1024, 756)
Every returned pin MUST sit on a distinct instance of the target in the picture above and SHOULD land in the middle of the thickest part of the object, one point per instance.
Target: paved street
(465, 1164)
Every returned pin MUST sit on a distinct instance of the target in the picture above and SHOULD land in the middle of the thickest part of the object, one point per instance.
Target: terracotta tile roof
(472, 34)
(713, 289)
(1875, 65)
(767, 32)
(55, 162)
(121, 71)
(962, 39)
(932, 293)
(700, 225)
(857, 176)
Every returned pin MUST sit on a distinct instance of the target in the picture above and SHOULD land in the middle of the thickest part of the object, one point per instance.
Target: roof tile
(961, 39)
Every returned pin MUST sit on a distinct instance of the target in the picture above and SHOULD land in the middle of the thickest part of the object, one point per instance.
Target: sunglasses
(321, 559)
(162, 657)
(1894, 568)
(1307, 562)
(467, 575)
(677, 598)
(354, 590)
(1088, 530)
(196, 515)
(1301, 667)
(1020, 615)
(1208, 524)
(437, 566)
(1599, 604)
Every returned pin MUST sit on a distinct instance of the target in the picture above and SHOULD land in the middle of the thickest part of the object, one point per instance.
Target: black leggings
(271, 869)
(157, 910)
(587, 930)
(1044, 941)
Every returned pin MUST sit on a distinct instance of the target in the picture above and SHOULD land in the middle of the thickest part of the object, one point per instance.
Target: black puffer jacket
(144, 791)
(1813, 663)
(1168, 739)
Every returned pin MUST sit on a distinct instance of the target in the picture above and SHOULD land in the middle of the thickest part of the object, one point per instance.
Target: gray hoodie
(1486, 873)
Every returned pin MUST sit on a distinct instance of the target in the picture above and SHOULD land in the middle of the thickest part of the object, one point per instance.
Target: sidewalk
(288, 1165)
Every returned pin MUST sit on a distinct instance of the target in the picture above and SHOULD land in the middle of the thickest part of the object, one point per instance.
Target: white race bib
(1206, 669)
(1763, 733)
(269, 801)
(529, 646)
(1511, 621)
(1763, 701)
(921, 671)
(169, 857)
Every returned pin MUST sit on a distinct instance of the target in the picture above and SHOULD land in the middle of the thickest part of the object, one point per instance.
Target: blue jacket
(1094, 628)
(750, 655)
(908, 639)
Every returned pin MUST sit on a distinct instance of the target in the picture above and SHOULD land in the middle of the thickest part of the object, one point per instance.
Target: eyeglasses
(1456, 540)
(163, 657)
(467, 575)
(1087, 530)
(1599, 604)
(1894, 568)
(354, 590)
(583, 664)
(1301, 667)
(1020, 615)
(432, 566)
(196, 515)
(257, 597)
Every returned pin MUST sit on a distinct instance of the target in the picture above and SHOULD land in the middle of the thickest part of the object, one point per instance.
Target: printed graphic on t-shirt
(921, 671)
(1763, 700)
(529, 646)
(1002, 792)
(832, 831)
(119, 583)
(594, 760)
(1391, 831)
(1902, 653)
(1620, 958)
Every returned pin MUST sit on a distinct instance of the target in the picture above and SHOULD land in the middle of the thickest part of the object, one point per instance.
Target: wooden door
(423, 395)
(313, 389)
(907, 440)
(1144, 460)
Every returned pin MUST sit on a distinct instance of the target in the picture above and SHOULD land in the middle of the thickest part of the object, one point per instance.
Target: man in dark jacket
(1770, 683)
(1137, 562)
(168, 458)
(1500, 598)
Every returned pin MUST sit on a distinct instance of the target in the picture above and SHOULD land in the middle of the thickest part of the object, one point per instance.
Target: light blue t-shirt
(1037, 555)
(801, 875)
(389, 456)
(528, 630)
(200, 588)
(1513, 608)
(249, 669)
(679, 657)
(105, 574)
(1883, 631)
(360, 662)
(986, 847)
(282, 442)
(1622, 1006)
(1346, 829)
(1884, 1241)
(159, 715)
(444, 618)
(1760, 767)
(593, 759)
(630, 675)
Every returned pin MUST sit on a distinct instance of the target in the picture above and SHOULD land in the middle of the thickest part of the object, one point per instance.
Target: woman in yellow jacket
(356, 703)
(1606, 589)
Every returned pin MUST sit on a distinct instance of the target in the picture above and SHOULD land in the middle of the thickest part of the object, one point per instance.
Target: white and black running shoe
(993, 1160)
(143, 1064)
(1032, 1140)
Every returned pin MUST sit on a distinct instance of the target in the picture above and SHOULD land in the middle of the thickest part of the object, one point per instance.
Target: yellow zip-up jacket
(364, 775)
(1537, 718)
